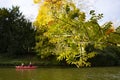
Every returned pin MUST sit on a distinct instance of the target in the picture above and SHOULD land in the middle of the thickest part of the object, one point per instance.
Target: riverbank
(40, 64)
(11, 62)
(48, 62)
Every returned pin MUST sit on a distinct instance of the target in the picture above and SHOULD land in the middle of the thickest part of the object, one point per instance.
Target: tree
(115, 36)
(68, 32)
(17, 35)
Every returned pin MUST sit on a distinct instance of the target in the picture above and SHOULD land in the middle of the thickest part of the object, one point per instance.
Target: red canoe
(26, 67)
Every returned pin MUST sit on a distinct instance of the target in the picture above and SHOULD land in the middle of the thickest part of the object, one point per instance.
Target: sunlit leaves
(94, 16)
(36, 1)
(68, 32)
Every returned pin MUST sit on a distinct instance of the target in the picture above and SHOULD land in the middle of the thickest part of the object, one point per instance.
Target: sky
(29, 9)
(109, 8)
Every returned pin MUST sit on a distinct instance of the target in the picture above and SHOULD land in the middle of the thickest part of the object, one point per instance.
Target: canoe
(26, 67)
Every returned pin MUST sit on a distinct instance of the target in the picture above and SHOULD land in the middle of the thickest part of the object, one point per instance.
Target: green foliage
(109, 56)
(118, 29)
(16, 33)
(94, 16)
(68, 35)
(43, 46)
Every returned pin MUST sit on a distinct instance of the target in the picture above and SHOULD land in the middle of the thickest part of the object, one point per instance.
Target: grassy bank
(11, 62)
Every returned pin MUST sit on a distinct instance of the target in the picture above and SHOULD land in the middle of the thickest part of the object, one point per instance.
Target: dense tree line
(17, 35)
(60, 32)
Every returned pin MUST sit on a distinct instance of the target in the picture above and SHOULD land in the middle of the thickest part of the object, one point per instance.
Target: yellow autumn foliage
(46, 10)
(63, 26)
(37, 1)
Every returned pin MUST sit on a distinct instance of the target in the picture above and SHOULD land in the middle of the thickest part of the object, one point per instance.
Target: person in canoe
(30, 64)
(22, 64)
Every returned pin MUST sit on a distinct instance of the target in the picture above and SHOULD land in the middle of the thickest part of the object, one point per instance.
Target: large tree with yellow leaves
(64, 31)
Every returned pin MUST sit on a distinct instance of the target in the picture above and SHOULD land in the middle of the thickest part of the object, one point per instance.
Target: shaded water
(105, 73)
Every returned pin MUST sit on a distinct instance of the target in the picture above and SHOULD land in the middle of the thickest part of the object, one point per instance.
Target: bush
(109, 56)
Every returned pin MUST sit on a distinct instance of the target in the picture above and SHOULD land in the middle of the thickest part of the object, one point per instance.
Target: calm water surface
(105, 73)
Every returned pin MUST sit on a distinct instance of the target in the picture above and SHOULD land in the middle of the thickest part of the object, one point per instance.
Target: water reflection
(108, 73)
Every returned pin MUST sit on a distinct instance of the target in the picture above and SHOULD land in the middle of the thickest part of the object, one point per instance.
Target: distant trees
(17, 35)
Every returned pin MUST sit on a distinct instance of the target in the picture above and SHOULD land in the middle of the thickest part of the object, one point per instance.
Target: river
(104, 73)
